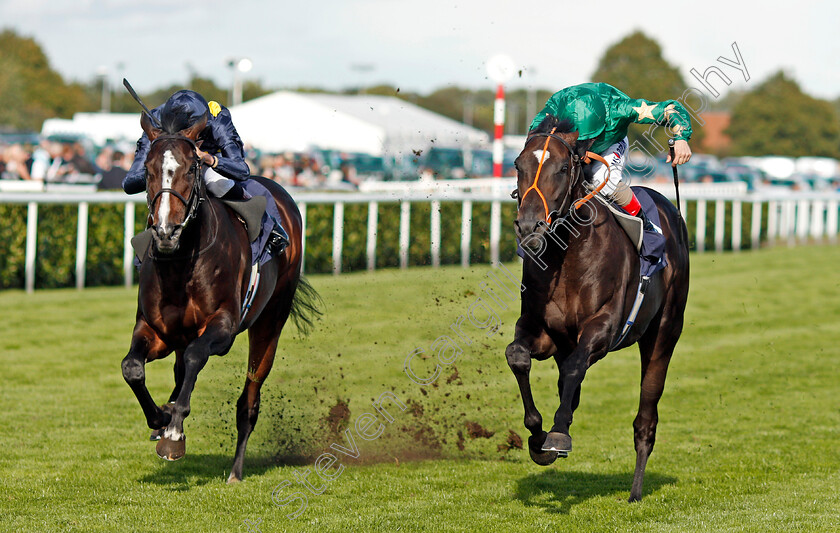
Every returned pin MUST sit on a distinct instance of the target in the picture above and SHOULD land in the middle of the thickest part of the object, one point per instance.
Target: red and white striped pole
(499, 123)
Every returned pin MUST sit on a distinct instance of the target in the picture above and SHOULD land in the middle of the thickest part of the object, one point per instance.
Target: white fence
(786, 216)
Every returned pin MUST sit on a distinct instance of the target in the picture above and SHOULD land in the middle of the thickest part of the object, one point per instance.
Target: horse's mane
(551, 122)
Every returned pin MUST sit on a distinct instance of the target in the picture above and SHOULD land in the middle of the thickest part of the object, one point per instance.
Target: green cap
(585, 109)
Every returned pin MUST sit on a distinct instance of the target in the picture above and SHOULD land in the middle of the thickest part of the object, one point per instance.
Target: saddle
(649, 245)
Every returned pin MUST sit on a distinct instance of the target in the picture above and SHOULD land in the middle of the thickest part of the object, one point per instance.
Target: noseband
(577, 167)
(197, 192)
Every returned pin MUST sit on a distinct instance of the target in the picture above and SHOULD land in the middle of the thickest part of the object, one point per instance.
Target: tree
(32, 91)
(636, 67)
(777, 118)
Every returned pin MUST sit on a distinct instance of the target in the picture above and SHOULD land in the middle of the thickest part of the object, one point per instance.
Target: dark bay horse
(192, 286)
(578, 294)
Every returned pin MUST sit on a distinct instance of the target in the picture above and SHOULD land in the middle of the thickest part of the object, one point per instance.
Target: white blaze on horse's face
(170, 165)
(539, 153)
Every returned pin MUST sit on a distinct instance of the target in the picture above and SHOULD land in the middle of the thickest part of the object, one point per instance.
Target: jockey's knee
(217, 185)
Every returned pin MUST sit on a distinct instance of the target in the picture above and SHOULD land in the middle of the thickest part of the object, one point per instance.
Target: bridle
(196, 194)
(576, 170)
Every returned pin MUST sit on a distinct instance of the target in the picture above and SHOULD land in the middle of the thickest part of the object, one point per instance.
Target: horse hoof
(155, 435)
(557, 442)
(233, 480)
(537, 455)
(542, 458)
(171, 450)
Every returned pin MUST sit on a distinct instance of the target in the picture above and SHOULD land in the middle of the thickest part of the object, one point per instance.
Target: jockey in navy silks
(220, 149)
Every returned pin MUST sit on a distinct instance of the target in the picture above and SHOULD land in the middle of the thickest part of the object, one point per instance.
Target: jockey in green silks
(601, 112)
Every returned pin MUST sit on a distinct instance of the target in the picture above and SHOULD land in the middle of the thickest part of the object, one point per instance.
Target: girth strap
(634, 312)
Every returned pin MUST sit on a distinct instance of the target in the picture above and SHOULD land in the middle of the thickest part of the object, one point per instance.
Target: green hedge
(319, 235)
(56, 249)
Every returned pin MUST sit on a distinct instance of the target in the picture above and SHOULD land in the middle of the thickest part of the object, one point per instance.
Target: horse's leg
(592, 345)
(519, 354)
(178, 370)
(656, 347)
(145, 346)
(263, 337)
(217, 338)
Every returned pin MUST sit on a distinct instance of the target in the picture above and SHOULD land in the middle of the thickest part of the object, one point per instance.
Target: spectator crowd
(51, 161)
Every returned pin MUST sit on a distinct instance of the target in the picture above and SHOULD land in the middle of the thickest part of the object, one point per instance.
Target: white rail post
(405, 219)
(128, 252)
(373, 221)
(466, 232)
(817, 219)
(772, 222)
(784, 220)
(495, 231)
(831, 220)
(31, 245)
(790, 217)
(700, 235)
(435, 233)
(720, 213)
(802, 220)
(736, 225)
(302, 209)
(338, 236)
(81, 245)
(755, 225)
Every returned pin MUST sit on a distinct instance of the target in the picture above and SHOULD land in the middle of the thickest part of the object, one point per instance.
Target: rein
(577, 168)
(197, 192)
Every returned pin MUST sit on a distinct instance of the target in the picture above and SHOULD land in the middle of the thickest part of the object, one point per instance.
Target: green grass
(749, 434)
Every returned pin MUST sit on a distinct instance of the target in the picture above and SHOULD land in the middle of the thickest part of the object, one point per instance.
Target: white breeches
(217, 184)
(616, 156)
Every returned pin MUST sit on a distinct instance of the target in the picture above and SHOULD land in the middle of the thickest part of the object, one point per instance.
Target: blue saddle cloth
(652, 254)
(259, 251)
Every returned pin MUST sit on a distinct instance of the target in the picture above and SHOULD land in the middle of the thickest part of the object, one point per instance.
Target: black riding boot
(237, 193)
(277, 239)
(647, 225)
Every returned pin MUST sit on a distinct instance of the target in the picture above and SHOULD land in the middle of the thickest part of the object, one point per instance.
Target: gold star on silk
(644, 111)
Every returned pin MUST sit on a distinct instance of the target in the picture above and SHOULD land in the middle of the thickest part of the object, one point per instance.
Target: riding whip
(133, 94)
(676, 176)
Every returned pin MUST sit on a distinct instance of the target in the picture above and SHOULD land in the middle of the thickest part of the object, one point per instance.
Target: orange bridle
(587, 158)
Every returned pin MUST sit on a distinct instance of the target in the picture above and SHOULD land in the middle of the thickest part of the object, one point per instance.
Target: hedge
(56, 248)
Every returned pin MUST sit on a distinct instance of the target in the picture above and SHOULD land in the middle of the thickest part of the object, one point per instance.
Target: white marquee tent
(296, 122)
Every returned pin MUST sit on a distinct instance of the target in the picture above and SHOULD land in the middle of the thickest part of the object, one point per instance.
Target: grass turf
(748, 435)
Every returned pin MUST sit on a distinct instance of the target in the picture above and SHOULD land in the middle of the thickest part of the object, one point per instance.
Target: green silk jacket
(608, 124)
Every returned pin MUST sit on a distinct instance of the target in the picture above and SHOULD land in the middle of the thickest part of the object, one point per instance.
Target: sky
(422, 46)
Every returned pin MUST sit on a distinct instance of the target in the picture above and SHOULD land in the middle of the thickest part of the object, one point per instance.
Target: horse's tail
(306, 306)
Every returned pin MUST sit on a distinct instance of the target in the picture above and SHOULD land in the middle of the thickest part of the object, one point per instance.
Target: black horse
(193, 283)
(577, 297)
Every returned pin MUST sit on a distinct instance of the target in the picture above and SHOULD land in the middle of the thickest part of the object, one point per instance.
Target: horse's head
(548, 176)
(173, 182)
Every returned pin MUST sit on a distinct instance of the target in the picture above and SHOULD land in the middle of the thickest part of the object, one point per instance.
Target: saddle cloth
(649, 244)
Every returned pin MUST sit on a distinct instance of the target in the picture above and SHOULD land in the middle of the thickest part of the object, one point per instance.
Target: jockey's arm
(230, 159)
(669, 113)
(135, 180)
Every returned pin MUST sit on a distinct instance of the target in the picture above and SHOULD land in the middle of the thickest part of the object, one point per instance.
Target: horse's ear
(193, 131)
(151, 131)
(581, 147)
